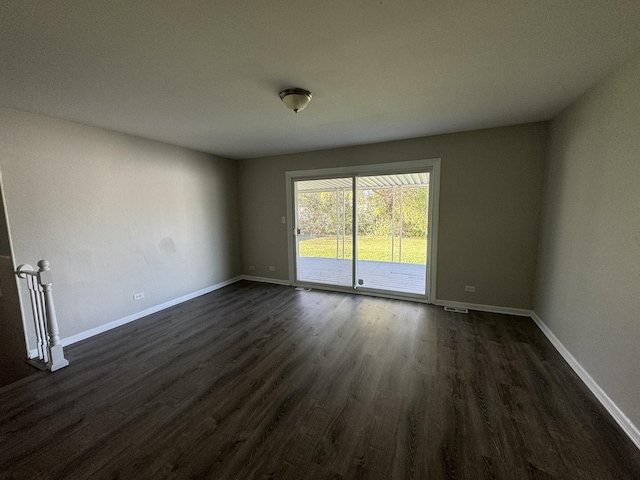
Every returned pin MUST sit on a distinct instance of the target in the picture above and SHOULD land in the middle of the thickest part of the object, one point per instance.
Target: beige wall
(588, 285)
(115, 214)
(491, 187)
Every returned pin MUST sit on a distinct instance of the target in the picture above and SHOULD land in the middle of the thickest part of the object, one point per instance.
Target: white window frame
(428, 165)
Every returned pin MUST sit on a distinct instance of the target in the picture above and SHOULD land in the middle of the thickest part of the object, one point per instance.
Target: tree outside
(392, 223)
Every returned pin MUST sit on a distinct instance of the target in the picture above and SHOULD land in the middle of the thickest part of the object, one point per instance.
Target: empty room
(320, 240)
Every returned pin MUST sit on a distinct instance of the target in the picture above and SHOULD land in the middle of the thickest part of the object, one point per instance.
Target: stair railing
(50, 350)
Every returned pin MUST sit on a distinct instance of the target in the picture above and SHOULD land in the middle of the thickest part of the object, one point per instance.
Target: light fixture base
(296, 99)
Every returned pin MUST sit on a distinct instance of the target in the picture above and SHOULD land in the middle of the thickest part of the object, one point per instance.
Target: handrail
(50, 349)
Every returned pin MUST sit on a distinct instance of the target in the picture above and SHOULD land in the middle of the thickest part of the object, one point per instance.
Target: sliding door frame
(432, 166)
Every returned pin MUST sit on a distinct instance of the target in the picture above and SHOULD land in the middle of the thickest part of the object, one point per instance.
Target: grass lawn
(414, 250)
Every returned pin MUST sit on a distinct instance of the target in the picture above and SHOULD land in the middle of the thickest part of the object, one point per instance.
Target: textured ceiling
(206, 74)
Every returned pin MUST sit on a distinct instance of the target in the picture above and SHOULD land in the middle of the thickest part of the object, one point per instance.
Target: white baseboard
(136, 316)
(618, 415)
(277, 281)
(484, 308)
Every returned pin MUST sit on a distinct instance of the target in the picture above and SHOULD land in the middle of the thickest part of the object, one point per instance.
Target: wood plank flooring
(259, 381)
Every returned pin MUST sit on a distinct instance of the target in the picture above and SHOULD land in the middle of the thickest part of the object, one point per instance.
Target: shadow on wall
(13, 366)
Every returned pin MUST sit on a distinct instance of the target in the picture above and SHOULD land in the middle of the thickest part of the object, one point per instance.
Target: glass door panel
(392, 225)
(324, 231)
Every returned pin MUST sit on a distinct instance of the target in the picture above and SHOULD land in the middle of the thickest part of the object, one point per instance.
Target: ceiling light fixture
(295, 98)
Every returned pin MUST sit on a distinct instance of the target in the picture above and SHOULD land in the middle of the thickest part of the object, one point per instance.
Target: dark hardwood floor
(266, 382)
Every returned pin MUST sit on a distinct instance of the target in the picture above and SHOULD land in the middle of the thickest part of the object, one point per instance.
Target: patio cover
(368, 182)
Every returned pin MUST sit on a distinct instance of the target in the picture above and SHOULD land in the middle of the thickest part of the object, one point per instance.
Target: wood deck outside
(391, 276)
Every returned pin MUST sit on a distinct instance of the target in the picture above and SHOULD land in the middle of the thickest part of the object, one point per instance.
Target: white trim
(136, 316)
(484, 308)
(434, 208)
(359, 291)
(618, 415)
(290, 225)
(375, 168)
(431, 165)
(276, 281)
(338, 289)
(12, 253)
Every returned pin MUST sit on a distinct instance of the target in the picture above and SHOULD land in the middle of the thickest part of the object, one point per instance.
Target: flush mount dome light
(295, 98)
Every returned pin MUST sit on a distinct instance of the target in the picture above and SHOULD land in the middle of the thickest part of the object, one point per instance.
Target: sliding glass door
(392, 219)
(389, 214)
(324, 237)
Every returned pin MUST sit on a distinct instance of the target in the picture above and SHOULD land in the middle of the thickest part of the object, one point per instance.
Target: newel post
(56, 353)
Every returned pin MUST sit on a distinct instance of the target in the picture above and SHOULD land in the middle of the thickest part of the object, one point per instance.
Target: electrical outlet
(138, 296)
(271, 268)
(251, 267)
(284, 219)
(469, 288)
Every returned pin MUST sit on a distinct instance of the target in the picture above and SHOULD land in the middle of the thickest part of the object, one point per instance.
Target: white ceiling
(206, 74)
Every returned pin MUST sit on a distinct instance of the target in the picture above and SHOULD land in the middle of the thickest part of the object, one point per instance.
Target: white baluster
(42, 318)
(38, 316)
(26, 272)
(56, 353)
